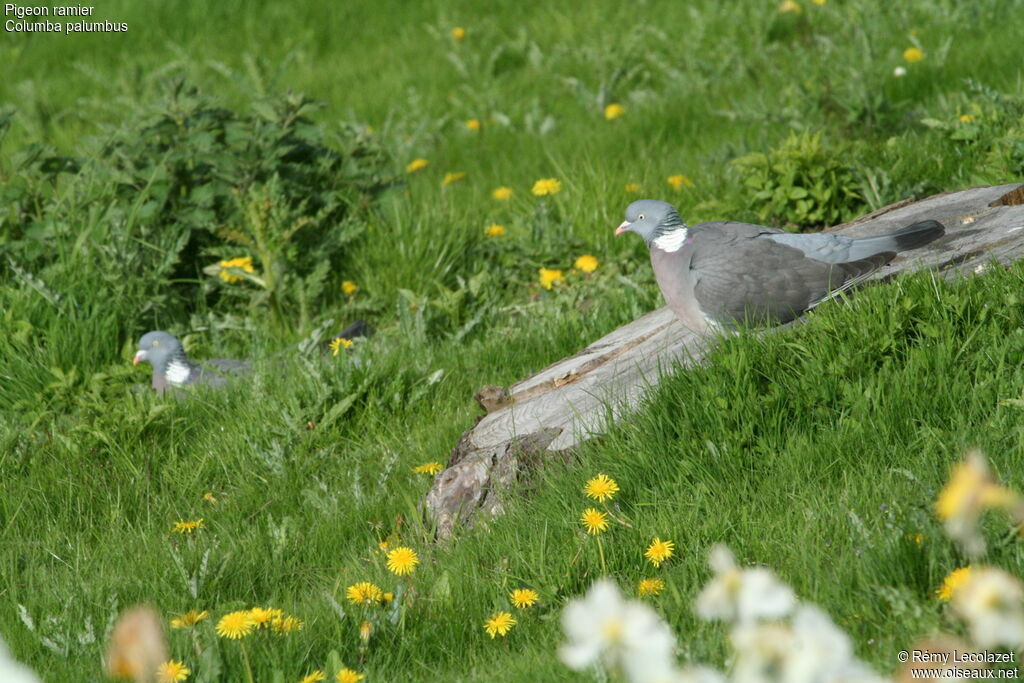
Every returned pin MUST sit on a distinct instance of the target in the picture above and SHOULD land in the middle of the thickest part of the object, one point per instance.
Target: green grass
(817, 451)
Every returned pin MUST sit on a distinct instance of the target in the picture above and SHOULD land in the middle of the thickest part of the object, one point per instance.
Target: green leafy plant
(189, 181)
(801, 184)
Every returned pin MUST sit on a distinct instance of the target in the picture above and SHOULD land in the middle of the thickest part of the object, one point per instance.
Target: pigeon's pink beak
(141, 355)
(623, 228)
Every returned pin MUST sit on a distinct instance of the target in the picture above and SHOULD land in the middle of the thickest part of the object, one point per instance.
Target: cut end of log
(492, 398)
(479, 480)
(1014, 197)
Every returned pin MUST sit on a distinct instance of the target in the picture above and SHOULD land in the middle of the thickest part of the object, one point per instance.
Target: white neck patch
(177, 373)
(671, 241)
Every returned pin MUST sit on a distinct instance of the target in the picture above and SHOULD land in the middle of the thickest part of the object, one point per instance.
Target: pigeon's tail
(910, 237)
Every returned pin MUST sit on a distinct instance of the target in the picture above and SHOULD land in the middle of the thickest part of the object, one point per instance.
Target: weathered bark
(571, 400)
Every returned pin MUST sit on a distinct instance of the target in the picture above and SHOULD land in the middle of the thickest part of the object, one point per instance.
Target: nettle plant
(268, 190)
(179, 186)
(802, 184)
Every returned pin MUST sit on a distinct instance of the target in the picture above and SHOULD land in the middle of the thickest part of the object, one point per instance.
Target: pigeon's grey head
(158, 348)
(650, 219)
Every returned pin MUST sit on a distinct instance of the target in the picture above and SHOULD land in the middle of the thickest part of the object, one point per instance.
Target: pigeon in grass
(721, 274)
(172, 368)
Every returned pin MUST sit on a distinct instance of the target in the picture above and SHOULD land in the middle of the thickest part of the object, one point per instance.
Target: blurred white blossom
(699, 674)
(742, 595)
(992, 604)
(628, 636)
(12, 671)
(822, 651)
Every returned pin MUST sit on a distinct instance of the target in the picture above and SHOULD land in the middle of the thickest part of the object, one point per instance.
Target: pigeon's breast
(672, 271)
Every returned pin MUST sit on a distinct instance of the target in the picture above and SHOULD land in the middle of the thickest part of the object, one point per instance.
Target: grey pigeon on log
(720, 274)
(172, 368)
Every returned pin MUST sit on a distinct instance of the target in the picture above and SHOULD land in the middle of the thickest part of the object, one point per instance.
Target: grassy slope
(815, 452)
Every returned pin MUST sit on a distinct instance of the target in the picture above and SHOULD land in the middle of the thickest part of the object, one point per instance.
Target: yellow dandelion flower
(349, 287)
(499, 624)
(171, 671)
(384, 545)
(209, 498)
(495, 230)
(263, 616)
(286, 625)
(501, 193)
(339, 343)
(594, 521)
(546, 186)
(602, 487)
(918, 538)
(450, 178)
(365, 631)
(235, 625)
(951, 583)
(388, 597)
(678, 180)
(913, 55)
(524, 597)
(402, 560)
(819, 2)
(473, 125)
(614, 111)
(314, 677)
(659, 551)
(789, 7)
(416, 165)
(458, 33)
(966, 118)
(632, 188)
(349, 676)
(586, 263)
(430, 468)
(364, 592)
(185, 527)
(650, 587)
(549, 276)
(243, 263)
(188, 619)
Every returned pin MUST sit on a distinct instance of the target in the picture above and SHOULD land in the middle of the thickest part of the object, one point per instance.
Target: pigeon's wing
(225, 365)
(217, 371)
(832, 248)
(741, 274)
(823, 247)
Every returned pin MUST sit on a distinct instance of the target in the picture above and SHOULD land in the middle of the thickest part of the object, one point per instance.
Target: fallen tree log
(546, 414)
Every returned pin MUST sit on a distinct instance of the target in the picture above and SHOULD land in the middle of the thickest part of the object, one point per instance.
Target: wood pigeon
(719, 274)
(172, 369)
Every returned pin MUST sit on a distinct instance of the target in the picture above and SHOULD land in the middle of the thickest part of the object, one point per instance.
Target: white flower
(761, 651)
(627, 636)
(899, 72)
(13, 672)
(811, 649)
(742, 595)
(699, 674)
(822, 651)
(991, 604)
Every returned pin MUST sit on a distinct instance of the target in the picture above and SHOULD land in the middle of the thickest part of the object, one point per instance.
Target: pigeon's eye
(641, 217)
